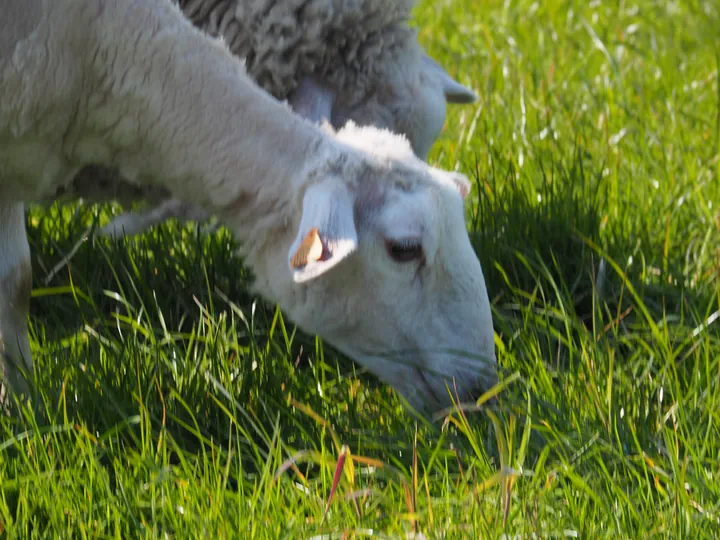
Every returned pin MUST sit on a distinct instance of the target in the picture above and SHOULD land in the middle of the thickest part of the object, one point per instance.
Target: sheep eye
(404, 251)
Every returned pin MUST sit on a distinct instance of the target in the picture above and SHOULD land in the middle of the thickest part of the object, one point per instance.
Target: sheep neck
(176, 110)
(249, 159)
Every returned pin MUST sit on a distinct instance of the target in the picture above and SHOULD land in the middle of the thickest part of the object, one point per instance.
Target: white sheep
(338, 60)
(356, 239)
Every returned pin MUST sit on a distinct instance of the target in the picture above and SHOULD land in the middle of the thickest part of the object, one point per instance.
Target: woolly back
(342, 41)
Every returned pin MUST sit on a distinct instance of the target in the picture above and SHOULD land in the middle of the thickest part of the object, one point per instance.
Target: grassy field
(173, 404)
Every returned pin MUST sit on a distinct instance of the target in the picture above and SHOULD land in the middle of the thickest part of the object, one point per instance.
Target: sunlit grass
(172, 402)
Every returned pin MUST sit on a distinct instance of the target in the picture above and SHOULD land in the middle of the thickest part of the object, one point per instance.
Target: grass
(174, 404)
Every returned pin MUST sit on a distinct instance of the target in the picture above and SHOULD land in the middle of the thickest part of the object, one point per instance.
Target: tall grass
(171, 403)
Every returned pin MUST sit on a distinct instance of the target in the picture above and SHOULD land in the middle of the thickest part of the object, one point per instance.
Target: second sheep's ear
(454, 91)
(327, 233)
(312, 101)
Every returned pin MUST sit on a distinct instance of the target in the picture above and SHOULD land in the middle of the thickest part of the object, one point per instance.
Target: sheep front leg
(15, 286)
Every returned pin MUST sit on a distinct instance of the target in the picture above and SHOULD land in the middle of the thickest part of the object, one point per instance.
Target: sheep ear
(454, 91)
(327, 233)
(312, 101)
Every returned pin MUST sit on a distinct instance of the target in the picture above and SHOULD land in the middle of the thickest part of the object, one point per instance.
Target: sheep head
(411, 99)
(383, 269)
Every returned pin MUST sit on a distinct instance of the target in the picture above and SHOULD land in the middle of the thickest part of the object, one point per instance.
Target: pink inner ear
(463, 187)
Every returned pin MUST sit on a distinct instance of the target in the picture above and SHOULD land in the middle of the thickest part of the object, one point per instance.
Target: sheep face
(384, 271)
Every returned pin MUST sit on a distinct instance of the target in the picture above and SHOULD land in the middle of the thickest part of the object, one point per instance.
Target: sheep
(343, 59)
(336, 59)
(134, 86)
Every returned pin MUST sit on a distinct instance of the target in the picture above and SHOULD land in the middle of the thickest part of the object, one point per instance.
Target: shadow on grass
(519, 234)
(551, 242)
(143, 326)
(560, 306)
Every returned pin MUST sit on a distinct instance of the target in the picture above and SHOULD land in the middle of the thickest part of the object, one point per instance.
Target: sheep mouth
(428, 390)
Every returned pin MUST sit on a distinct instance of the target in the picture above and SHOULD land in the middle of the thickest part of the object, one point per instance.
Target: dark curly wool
(345, 42)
